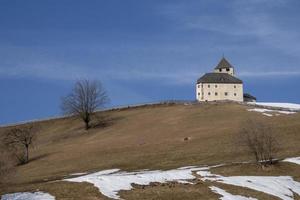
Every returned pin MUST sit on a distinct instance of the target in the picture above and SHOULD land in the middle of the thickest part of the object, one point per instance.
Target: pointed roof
(223, 64)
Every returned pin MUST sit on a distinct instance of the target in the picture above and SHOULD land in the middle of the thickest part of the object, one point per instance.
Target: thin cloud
(257, 19)
(269, 74)
(67, 72)
(241, 18)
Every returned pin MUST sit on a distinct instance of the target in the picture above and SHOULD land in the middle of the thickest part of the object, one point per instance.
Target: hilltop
(163, 137)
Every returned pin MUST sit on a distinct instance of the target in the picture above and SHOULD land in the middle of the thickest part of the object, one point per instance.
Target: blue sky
(142, 51)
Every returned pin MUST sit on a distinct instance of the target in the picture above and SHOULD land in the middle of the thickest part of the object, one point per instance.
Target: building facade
(220, 85)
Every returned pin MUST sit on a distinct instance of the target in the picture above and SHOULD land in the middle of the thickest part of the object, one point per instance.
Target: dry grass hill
(151, 137)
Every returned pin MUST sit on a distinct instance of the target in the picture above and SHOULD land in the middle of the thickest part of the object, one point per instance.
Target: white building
(220, 85)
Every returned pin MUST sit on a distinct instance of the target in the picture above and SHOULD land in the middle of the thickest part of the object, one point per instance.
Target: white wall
(231, 71)
(218, 92)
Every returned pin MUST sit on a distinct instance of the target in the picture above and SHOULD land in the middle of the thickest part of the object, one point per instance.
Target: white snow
(185, 182)
(28, 196)
(286, 112)
(110, 182)
(293, 160)
(227, 196)
(262, 110)
(291, 106)
(279, 186)
(268, 115)
(78, 174)
(267, 112)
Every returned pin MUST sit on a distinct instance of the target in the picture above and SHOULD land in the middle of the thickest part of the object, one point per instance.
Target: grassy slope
(148, 137)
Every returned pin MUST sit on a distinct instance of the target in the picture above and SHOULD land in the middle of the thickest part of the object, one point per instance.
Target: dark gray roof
(223, 64)
(249, 96)
(218, 78)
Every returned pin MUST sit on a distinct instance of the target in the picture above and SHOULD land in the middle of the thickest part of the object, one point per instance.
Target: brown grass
(149, 137)
(170, 191)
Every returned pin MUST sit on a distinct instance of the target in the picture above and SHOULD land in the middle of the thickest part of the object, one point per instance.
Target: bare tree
(18, 140)
(85, 98)
(260, 140)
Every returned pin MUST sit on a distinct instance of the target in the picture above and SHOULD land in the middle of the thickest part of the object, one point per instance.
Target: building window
(202, 93)
(198, 86)
(209, 93)
(220, 70)
(216, 94)
(234, 94)
(234, 86)
(208, 86)
(198, 93)
(226, 93)
(216, 86)
(227, 69)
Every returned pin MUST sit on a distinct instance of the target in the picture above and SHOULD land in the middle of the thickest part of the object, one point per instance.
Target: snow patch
(286, 112)
(295, 160)
(279, 186)
(185, 182)
(291, 106)
(28, 196)
(267, 112)
(110, 182)
(78, 174)
(262, 110)
(227, 196)
(268, 115)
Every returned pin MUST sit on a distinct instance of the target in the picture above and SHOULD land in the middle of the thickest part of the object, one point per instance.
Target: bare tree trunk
(26, 154)
(87, 125)
(87, 121)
